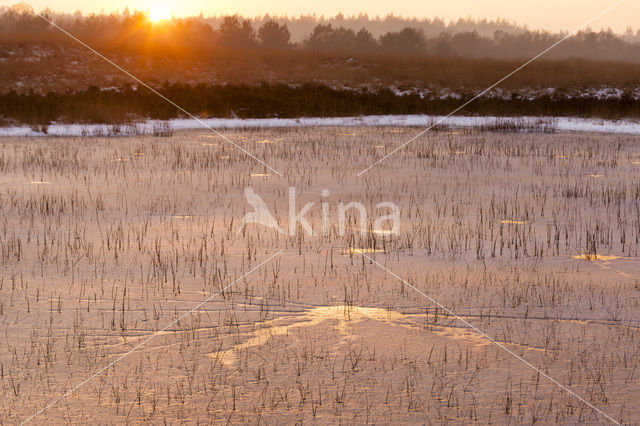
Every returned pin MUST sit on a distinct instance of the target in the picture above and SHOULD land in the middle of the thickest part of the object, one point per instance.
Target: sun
(159, 13)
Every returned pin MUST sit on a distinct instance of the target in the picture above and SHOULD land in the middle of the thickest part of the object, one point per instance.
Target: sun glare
(159, 13)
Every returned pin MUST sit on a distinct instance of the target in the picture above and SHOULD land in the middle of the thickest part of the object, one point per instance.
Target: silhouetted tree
(365, 41)
(321, 38)
(274, 36)
(408, 40)
(469, 43)
(19, 19)
(325, 37)
(233, 33)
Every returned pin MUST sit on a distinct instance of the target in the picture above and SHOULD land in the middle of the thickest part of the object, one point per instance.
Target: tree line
(134, 32)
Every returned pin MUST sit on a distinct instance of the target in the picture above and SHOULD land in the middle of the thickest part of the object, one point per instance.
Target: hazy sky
(537, 14)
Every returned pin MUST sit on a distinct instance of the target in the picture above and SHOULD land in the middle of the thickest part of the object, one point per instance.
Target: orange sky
(537, 14)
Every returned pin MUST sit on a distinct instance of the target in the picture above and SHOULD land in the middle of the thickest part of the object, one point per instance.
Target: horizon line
(324, 17)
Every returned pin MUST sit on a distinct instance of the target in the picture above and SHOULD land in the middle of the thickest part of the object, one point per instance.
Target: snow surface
(562, 123)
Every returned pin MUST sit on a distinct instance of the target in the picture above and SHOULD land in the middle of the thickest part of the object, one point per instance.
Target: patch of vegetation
(129, 104)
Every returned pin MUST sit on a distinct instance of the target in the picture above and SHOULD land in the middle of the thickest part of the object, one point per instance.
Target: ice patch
(567, 124)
